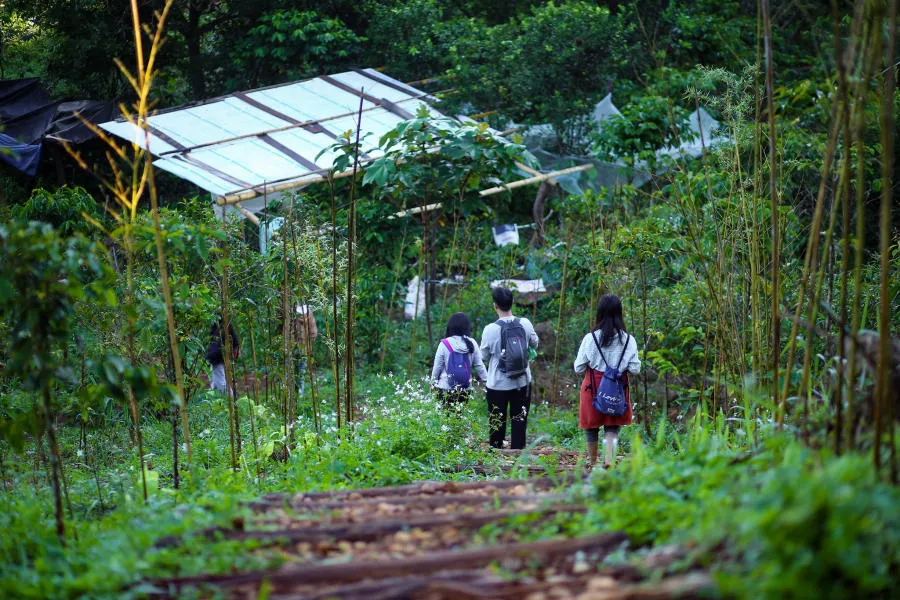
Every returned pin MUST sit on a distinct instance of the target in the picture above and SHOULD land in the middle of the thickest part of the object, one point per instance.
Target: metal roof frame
(246, 144)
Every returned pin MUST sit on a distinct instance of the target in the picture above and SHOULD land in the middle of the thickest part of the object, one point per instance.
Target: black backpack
(513, 348)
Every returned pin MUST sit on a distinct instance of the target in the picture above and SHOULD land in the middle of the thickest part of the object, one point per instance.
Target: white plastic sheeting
(506, 234)
(250, 140)
(414, 306)
(527, 290)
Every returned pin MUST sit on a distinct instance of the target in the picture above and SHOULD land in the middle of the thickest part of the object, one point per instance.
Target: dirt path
(431, 540)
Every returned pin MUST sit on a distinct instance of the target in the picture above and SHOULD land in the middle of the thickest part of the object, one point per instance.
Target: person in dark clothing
(215, 357)
(508, 393)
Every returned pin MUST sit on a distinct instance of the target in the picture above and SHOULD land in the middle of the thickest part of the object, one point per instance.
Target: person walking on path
(215, 357)
(504, 347)
(303, 332)
(608, 344)
(455, 360)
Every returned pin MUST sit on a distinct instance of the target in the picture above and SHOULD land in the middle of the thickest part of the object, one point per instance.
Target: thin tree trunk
(882, 385)
(773, 199)
(225, 337)
(54, 468)
(336, 362)
(350, 329)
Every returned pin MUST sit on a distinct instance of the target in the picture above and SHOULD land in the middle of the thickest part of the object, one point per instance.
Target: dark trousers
(515, 404)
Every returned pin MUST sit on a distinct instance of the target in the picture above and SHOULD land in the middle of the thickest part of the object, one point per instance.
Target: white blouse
(589, 356)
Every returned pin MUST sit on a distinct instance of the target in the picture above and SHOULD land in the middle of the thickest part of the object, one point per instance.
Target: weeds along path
(427, 540)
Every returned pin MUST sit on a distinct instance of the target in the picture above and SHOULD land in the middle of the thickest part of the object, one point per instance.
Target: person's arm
(478, 365)
(581, 359)
(440, 363)
(486, 345)
(532, 335)
(634, 364)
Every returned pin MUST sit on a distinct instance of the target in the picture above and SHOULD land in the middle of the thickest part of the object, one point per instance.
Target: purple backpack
(458, 369)
(610, 398)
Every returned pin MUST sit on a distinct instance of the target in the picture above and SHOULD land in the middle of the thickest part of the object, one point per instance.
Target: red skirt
(588, 417)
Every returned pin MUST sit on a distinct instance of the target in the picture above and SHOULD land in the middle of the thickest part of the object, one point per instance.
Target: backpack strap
(447, 343)
(627, 337)
(598, 347)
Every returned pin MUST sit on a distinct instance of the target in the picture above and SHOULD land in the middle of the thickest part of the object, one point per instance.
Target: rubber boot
(592, 452)
(611, 441)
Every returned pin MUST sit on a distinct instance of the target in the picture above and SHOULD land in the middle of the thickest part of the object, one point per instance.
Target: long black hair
(460, 324)
(609, 319)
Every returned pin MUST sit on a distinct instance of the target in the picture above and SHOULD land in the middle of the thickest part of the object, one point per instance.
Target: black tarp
(28, 116)
(67, 127)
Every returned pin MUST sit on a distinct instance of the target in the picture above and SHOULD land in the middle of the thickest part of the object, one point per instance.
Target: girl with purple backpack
(456, 358)
(608, 347)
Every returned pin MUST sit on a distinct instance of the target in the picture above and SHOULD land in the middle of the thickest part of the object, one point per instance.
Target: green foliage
(294, 44)
(549, 67)
(792, 523)
(426, 158)
(41, 278)
(645, 126)
(68, 210)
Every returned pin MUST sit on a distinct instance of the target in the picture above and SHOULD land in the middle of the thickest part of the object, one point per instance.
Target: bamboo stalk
(449, 265)
(225, 337)
(255, 401)
(865, 68)
(350, 329)
(560, 318)
(54, 467)
(773, 198)
(882, 386)
(336, 359)
(531, 180)
(288, 386)
(387, 317)
(845, 221)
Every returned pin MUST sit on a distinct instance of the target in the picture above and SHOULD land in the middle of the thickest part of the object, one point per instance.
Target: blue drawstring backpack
(458, 369)
(609, 397)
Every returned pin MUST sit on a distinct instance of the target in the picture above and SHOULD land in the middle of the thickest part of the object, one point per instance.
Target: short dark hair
(503, 298)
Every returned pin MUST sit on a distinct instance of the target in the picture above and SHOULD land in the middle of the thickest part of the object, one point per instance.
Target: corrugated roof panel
(394, 82)
(368, 84)
(348, 101)
(195, 175)
(250, 160)
(327, 106)
(127, 131)
(298, 102)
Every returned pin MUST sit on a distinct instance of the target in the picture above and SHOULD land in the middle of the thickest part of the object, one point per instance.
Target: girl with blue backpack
(456, 358)
(606, 356)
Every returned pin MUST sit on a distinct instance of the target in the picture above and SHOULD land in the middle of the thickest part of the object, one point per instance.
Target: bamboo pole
(532, 180)
(414, 211)
(336, 356)
(865, 69)
(225, 338)
(773, 200)
(387, 317)
(350, 328)
(255, 401)
(561, 317)
(882, 386)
